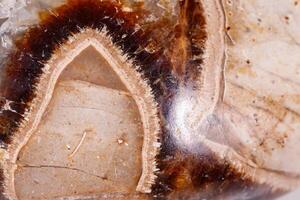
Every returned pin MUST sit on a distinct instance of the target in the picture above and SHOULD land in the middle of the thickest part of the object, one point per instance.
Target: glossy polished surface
(208, 91)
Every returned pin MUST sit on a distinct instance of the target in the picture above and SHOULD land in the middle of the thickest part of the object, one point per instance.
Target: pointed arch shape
(129, 76)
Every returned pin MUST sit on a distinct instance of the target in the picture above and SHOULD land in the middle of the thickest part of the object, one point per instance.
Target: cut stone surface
(208, 90)
(89, 140)
(90, 66)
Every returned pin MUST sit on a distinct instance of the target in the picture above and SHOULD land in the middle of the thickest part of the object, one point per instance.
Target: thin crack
(91, 108)
(104, 195)
(64, 167)
(262, 99)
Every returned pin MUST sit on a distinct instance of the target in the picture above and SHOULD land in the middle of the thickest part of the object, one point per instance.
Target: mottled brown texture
(26, 64)
(202, 175)
(164, 62)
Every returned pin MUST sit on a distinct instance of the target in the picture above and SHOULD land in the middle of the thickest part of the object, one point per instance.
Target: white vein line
(79, 144)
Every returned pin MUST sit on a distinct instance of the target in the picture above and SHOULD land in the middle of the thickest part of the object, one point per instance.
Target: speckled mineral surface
(153, 99)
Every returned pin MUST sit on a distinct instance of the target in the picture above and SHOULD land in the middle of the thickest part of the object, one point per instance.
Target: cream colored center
(89, 140)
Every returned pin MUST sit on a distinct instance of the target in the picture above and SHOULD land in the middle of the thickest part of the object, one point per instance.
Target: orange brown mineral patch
(129, 100)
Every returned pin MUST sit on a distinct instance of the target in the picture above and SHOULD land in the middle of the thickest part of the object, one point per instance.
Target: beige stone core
(89, 140)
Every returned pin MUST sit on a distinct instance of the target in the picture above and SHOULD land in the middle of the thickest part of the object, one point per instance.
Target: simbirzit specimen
(143, 100)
